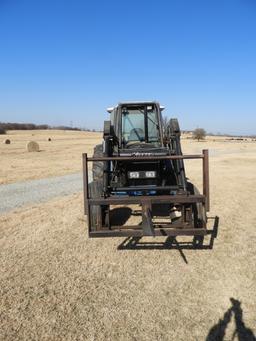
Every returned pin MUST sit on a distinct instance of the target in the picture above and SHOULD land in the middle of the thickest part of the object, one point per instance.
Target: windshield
(140, 124)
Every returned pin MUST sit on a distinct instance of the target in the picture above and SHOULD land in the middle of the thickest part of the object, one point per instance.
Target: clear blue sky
(63, 61)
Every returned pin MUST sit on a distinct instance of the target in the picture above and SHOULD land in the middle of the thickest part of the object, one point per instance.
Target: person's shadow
(217, 332)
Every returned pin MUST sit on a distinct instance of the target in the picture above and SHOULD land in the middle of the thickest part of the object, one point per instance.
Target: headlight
(142, 175)
(134, 175)
(150, 174)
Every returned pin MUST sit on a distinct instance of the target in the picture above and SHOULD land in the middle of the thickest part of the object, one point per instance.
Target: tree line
(31, 126)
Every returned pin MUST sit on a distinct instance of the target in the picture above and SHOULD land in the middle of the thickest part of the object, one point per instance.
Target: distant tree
(22, 126)
(32, 126)
(2, 131)
(42, 126)
(199, 134)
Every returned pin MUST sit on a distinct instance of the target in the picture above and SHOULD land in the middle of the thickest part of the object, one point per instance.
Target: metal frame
(147, 228)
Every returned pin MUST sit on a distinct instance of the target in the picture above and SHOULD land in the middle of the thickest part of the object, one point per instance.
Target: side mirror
(108, 129)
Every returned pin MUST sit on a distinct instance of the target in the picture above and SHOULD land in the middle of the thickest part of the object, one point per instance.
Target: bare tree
(199, 134)
(165, 121)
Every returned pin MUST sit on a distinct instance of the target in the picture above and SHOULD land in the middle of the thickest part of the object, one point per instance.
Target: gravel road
(35, 191)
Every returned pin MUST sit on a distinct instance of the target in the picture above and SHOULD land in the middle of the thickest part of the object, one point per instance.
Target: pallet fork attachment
(186, 202)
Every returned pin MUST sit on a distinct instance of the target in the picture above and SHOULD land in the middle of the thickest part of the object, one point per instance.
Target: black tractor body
(140, 163)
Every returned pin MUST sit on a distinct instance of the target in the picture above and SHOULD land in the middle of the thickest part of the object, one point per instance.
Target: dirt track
(35, 191)
(57, 284)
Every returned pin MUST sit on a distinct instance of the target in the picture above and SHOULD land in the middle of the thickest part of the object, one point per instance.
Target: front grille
(142, 182)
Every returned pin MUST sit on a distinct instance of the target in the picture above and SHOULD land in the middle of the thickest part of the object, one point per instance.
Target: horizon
(80, 128)
(63, 61)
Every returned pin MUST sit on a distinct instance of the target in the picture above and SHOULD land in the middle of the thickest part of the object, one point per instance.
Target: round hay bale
(7, 141)
(32, 146)
(49, 139)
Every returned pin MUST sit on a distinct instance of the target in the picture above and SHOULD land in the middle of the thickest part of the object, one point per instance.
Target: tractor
(140, 164)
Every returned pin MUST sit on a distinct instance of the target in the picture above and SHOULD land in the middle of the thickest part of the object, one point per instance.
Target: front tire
(199, 216)
(97, 212)
(97, 166)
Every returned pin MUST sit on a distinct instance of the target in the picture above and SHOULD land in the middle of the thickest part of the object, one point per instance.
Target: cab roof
(135, 103)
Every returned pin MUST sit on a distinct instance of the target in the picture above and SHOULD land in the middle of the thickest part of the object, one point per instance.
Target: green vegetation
(199, 134)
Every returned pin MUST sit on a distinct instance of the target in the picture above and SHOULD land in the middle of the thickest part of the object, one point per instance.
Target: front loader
(140, 164)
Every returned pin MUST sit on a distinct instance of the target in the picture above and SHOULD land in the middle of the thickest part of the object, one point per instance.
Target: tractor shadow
(120, 215)
(243, 333)
(171, 243)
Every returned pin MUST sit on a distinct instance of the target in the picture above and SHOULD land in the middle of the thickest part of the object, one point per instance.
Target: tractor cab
(137, 125)
(140, 125)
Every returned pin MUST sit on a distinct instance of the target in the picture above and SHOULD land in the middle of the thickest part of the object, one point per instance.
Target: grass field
(60, 156)
(56, 284)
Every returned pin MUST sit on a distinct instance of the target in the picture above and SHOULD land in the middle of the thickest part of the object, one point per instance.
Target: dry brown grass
(56, 284)
(61, 156)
